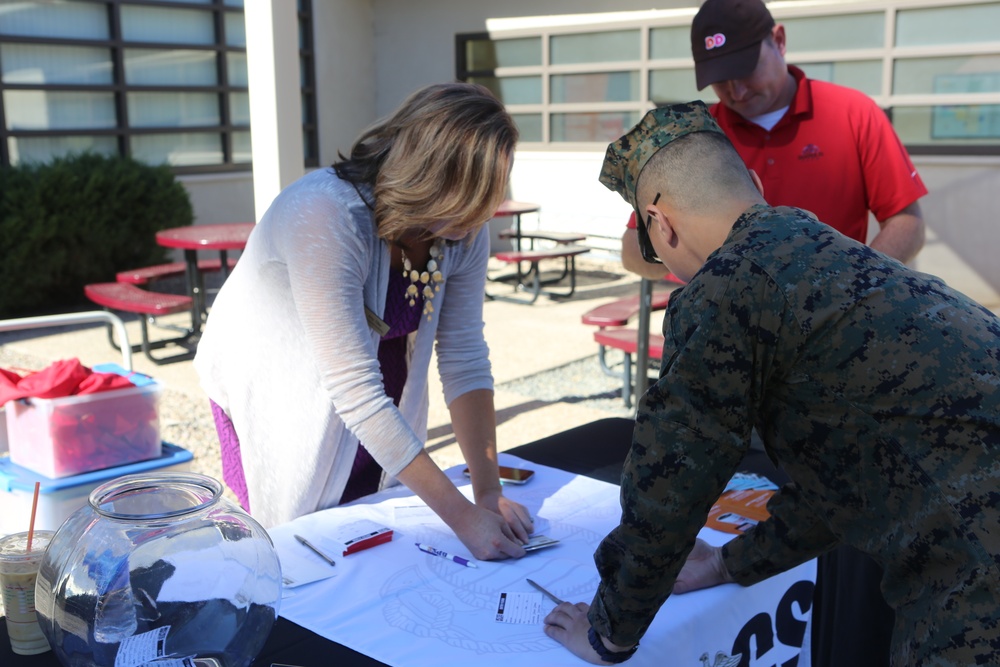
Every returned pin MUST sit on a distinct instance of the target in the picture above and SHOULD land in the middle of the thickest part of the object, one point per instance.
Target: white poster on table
(410, 608)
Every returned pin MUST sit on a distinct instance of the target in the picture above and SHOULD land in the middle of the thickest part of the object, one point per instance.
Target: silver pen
(547, 594)
(307, 544)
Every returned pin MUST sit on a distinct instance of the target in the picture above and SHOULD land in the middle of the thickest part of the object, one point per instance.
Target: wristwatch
(602, 651)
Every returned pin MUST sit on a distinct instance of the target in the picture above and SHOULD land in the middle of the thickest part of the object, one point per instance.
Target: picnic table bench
(567, 253)
(618, 313)
(612, 319)
(127, 293)
(147, 274)
(626, 340)
(518, 235)
(531, 236)
(129, 298)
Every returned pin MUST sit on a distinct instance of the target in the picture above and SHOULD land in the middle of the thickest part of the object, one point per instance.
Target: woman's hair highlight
(444, 155)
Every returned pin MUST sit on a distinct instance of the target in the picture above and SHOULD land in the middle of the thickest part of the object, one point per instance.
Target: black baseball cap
(726, 37)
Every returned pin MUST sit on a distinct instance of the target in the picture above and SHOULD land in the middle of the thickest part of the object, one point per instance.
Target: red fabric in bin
(57, 438)
(104, 437)
(67, 377)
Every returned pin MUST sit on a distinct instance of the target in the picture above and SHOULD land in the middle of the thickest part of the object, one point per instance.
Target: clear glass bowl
(158, 566)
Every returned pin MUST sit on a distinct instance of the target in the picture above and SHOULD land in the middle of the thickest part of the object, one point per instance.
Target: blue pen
(437, 552)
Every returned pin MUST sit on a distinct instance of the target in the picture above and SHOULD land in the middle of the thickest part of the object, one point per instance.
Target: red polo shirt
(834, 153)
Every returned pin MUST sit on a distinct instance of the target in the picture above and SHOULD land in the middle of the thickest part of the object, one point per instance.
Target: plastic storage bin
(60, 437)
(3, 431)
(58, 498)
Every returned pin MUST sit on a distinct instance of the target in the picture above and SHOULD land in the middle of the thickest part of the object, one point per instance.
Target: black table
(848, 626)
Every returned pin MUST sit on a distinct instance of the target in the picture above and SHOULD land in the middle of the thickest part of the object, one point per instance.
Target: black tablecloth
(288, 644)
(851, 622)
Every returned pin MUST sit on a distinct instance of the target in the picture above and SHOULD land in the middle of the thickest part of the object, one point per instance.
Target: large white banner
(407, 608)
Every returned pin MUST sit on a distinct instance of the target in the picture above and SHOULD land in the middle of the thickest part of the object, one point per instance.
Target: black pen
(546, 593)
(315, 550)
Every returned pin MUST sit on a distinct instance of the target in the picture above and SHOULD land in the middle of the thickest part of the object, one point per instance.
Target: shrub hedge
(77, 220)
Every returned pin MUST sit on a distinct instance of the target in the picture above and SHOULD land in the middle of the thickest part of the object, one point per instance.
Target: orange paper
(736, 511)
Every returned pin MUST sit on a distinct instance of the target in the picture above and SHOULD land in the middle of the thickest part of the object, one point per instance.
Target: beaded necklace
(431, 277)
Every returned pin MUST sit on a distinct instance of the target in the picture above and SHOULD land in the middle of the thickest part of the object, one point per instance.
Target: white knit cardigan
(288, 353)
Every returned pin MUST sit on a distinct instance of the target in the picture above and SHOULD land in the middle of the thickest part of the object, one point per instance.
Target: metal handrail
(75, 318)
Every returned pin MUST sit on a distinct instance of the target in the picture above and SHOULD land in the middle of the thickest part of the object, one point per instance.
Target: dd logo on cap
(714, 41)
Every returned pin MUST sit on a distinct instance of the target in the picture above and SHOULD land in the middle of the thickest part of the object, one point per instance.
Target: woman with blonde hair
(317, 350)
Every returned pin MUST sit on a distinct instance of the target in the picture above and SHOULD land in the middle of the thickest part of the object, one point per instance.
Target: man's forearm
(792, 535)
(901, 236)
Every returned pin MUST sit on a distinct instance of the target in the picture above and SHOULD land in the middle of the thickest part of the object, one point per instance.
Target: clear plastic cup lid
(15, 547)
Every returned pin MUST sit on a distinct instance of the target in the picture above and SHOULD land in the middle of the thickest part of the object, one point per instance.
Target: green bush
(78, 220)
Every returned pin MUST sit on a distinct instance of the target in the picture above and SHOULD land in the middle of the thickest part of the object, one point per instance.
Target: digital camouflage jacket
(875, 387)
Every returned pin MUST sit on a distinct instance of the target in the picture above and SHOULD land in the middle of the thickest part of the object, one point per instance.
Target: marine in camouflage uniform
(877, 389)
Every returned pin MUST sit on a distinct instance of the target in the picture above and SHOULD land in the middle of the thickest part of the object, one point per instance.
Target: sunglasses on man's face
(642, 230)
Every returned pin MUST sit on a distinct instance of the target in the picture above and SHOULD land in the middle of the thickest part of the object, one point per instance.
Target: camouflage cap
(626, 157)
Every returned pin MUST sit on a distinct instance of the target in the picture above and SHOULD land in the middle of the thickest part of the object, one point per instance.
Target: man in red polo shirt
(814, 145)
(832, 151)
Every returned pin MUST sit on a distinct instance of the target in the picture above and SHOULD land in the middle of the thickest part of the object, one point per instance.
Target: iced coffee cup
(18, 570)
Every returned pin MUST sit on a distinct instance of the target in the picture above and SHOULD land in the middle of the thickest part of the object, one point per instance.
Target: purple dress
(366, 473)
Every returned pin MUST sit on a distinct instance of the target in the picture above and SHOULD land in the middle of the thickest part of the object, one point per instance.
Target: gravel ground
(581, 382)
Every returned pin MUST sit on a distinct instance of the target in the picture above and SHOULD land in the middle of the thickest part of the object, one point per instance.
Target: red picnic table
(221, 237)
(515, 209)
(563, 250)
(127, 295)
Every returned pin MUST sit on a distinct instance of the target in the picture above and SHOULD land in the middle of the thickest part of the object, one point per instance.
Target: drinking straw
(34, 506)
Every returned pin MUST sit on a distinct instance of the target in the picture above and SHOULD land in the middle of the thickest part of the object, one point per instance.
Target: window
(948, 24)
(595, 87)
(864, 75)
(837, 32)
(594, 47)
(934, 66)
(511, 68)
(946, 78)
(310, 128)
(164, 82)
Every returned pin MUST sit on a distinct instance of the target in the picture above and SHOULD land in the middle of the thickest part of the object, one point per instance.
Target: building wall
(346, 78)
(220, 197)
(961, 213)
(345, 99)
(415, 39)
(414, 45)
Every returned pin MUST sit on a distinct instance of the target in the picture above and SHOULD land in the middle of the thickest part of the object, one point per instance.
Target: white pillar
(275, 97)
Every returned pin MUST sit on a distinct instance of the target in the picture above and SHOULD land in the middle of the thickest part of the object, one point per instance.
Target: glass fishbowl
(158, 567)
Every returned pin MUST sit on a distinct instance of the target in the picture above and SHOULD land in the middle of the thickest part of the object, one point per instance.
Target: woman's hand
(486, 534)
(516, 515)
(703, 568)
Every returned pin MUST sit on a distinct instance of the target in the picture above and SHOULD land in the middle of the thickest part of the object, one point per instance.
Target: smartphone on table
(509, 475)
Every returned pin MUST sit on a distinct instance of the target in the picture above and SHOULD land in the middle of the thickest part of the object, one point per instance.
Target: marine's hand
(486, 534)
(516, 515)
(568, 624)
(704, 568)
